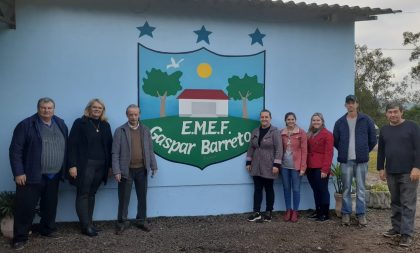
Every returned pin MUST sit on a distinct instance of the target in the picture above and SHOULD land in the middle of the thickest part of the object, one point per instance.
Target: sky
(386, 32)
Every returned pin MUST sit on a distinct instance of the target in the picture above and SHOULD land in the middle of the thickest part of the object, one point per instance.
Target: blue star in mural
(257, 36)
(146, 29)
(203, 34)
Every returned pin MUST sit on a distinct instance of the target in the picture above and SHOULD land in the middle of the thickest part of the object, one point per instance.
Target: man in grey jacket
(132, 160)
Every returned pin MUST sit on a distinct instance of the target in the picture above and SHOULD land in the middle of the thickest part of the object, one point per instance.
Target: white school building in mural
(203, 103)
(76, 50)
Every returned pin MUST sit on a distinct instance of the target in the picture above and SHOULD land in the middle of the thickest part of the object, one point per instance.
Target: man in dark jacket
(37, 157)
(354, 137)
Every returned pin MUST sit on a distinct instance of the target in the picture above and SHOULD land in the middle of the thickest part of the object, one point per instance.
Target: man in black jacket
(37, 157)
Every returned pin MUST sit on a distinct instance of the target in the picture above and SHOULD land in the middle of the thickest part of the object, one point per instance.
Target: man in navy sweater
(399, 165)
(37, 157)
(354, 137)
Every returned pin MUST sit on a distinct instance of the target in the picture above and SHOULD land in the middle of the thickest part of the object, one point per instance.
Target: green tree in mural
(246, 88)
(160, 84)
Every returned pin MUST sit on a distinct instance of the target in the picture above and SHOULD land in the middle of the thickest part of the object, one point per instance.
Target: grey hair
(132, 106)
(45, 100)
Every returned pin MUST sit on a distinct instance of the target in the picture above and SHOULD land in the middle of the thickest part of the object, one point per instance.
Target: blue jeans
(351, 170)
(291, 181)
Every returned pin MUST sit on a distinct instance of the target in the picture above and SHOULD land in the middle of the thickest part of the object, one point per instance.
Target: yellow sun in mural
(204, 70)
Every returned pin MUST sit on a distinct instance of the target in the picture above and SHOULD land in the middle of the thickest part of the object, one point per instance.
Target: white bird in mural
(174, 64)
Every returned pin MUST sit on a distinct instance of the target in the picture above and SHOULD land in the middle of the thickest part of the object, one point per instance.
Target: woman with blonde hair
(320, 154)
(90, 144)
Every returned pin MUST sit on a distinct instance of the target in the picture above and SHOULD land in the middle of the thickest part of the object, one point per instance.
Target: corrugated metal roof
(263, 10)
(332, 12)
(355, 10)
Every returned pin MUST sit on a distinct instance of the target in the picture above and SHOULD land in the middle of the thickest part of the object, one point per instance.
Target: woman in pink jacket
(320, 154)
(293, 165)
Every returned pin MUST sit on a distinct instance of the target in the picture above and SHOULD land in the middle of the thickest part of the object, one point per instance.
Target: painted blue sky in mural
(222, 67)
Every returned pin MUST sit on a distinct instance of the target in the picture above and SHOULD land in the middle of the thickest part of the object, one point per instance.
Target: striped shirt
(53, 148)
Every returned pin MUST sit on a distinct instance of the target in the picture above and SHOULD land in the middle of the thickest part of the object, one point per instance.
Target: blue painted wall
(73, 51)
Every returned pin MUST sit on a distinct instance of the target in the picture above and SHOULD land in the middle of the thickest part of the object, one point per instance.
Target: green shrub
(7, 202)
(337, 177)
(379, 187)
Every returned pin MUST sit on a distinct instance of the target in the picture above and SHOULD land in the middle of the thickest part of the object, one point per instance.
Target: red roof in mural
(203, 94)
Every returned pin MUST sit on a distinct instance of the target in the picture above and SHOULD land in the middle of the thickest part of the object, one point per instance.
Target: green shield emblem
(200, 106)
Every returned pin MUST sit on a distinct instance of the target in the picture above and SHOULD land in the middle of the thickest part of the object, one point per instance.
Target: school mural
(199, 105)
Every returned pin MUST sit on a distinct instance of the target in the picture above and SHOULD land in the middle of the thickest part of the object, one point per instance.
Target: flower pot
(339, 203)
(7, 227)
(378, 199)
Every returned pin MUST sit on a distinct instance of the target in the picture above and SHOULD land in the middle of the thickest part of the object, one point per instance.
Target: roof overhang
(255, 9)
(292, 11)
(7, 13)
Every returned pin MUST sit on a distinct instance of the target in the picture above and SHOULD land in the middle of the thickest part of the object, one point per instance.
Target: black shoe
(391, 233)
(52, 235)
(96, 229)
(255, 217)
(121, 227)
(120, 230)
(19, 245)
(143, 227)
(323, 218)
(406, 241)
(89, 232)
(313, 215)
(267, 216)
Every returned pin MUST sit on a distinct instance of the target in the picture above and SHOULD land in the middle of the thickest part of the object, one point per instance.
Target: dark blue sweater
(365, 138)
(26, 148)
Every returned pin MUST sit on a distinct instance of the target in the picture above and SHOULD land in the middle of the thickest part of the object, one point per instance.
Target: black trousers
(26, 200)
(261, 183)
(124, 193)
(86, 190)
(320, 189)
